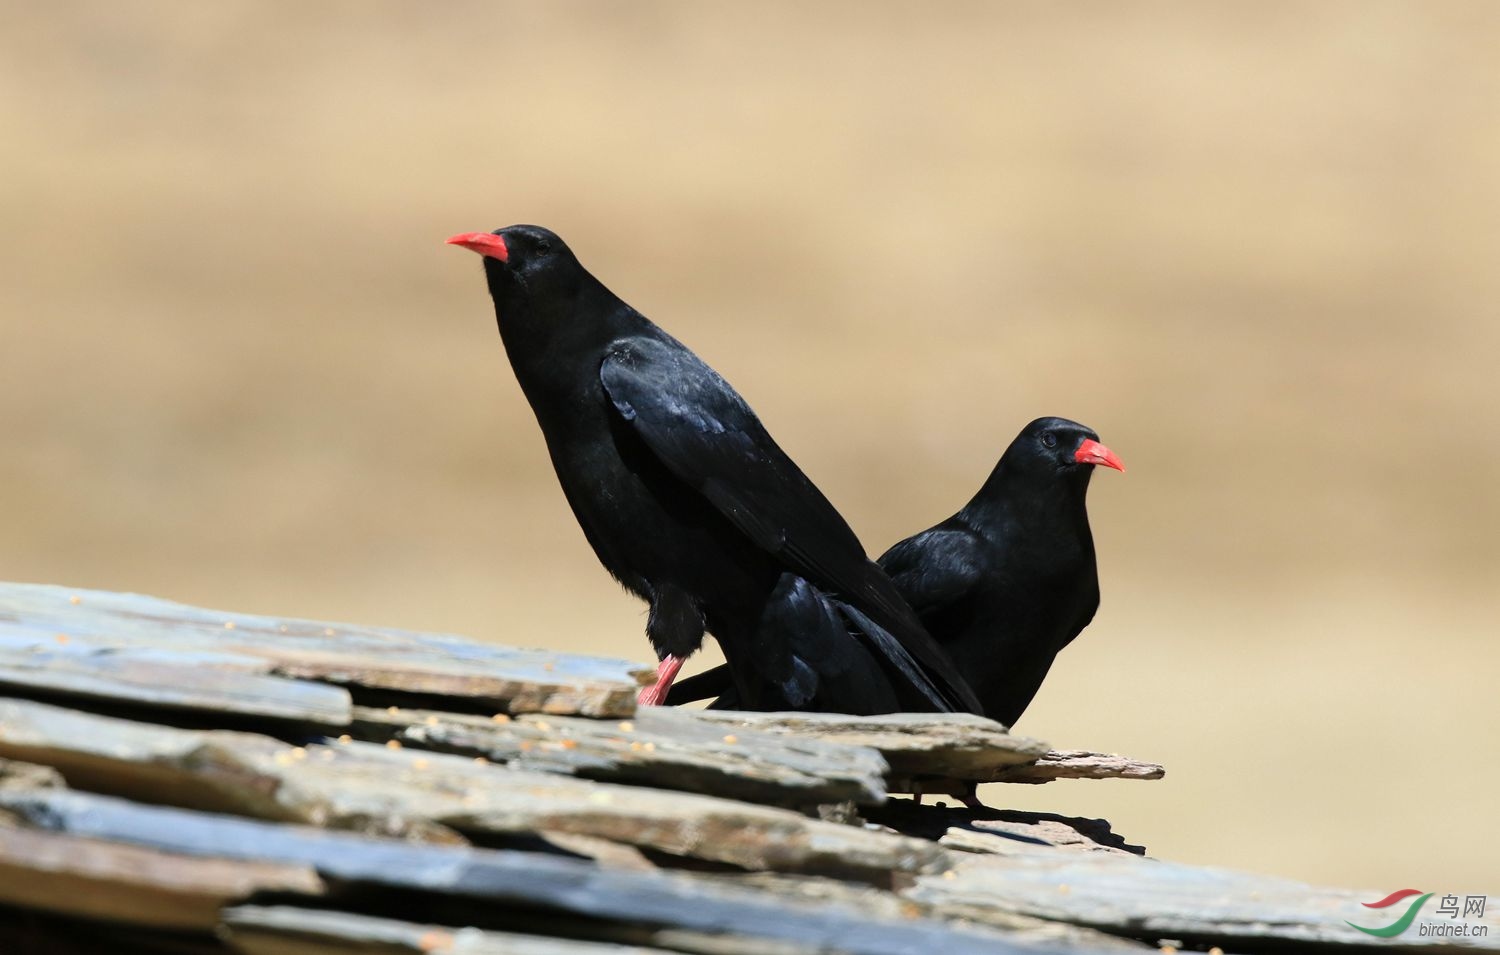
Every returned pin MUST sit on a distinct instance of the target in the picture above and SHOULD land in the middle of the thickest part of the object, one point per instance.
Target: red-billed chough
(1009, 580)
(691, 505)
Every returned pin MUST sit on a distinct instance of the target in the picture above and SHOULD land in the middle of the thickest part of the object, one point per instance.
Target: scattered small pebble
(61, 638)
(1064, 889)
(229, 625)
(431, 720)
(327, 631)
(731, 739)
(649, 747)
(481, 761)
(345, 739)
(570, 744)
(627, 727)
(392, 710)
(75, 599)
(393, 744)
(299, 752)
(420, 763)
(501, 718)
(543, 725)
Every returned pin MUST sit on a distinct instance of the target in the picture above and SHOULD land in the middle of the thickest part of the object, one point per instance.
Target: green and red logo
(1401, 924)
(1448, 907)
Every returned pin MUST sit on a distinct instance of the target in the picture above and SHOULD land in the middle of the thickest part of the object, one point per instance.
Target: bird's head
(524, 259)
(1061, 445)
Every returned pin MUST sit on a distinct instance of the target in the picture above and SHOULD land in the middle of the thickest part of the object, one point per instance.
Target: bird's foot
(666, 672)
(971, 800)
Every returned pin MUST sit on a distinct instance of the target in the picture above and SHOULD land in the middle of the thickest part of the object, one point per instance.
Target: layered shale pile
(183, 780)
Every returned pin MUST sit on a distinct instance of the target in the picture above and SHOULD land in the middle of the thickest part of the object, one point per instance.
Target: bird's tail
(814, 651)
(702, 686)
(913, 686)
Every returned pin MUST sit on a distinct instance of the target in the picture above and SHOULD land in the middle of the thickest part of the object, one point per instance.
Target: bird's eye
(1049, 440)
(543, 246)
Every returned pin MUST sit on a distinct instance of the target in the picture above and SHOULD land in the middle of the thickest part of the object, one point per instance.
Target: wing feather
(935, 568)
(699, 427)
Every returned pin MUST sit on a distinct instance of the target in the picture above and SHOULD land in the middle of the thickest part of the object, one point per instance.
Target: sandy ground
(1253, 245)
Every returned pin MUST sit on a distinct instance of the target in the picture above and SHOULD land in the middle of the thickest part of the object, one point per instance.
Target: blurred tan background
(1254, 245)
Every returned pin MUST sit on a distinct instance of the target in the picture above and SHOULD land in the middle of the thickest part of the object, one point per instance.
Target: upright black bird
(1012, 578)
(691, 505)
(1009, 580)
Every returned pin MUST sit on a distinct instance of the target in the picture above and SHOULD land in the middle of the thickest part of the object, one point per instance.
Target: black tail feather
(805, 659)
(701, 686)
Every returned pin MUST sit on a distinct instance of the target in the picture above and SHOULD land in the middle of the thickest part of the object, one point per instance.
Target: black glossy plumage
(1007, 582)
(1012, 578)
(691, 505)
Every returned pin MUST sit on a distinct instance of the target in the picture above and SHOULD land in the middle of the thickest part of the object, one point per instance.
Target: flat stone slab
(217, 770)
(123, 676)
(284, 929)
(1024, 929)
(483, 879)
(1038, 834)
(302, 803)
(137, 885)
(55, 626)
(1003, 831)
(1169, 902)
(659, 746)
(1081, 764)
(434, 796)
(956, 746)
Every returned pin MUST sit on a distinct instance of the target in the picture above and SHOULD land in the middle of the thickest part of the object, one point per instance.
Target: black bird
(1009, 580)
(692, 506)
(1012, 578)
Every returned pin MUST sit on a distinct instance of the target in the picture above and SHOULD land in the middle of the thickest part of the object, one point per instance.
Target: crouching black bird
(691, 505)
(1009, 580)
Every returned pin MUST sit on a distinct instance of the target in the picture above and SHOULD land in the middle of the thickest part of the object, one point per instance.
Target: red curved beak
(1092, 452)
(485, 243)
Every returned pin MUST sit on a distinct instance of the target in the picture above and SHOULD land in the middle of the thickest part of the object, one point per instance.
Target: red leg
(666, 672)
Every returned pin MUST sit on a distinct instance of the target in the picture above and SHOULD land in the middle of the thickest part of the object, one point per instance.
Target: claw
(656, 693)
